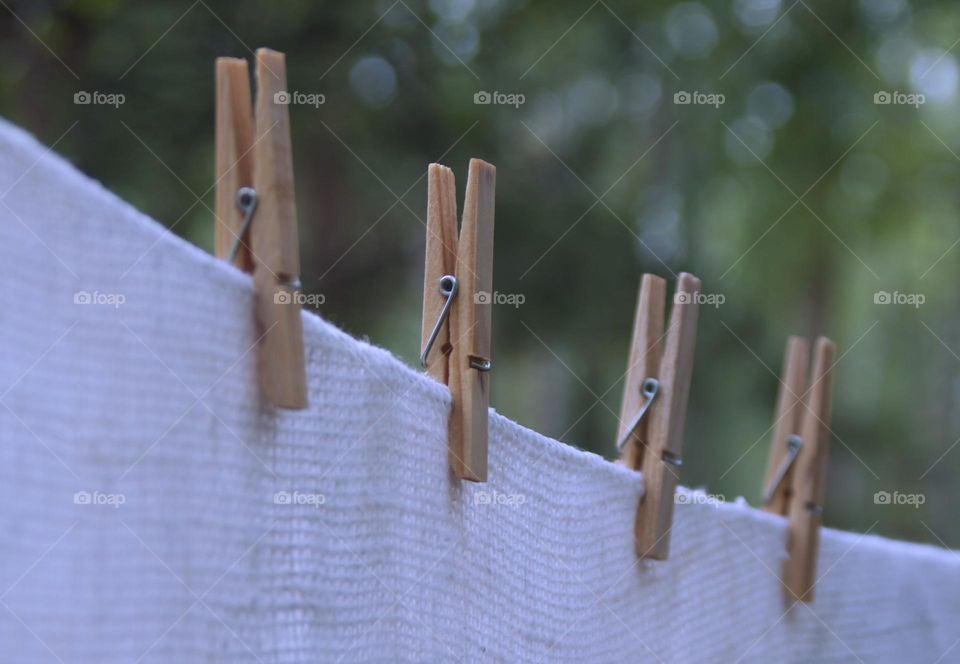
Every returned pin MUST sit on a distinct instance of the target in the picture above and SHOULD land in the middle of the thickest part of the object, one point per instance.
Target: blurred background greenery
(797, 199)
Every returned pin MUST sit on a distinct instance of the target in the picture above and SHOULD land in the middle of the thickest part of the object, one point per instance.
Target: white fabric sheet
(184, 553)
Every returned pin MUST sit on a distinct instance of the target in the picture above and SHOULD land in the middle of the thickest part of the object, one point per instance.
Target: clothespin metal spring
(448, 289)
(481, 364)
(247, 202)
(648, 389)
(794, 443)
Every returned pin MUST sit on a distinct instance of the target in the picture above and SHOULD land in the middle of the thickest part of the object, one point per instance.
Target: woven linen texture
(152, 509)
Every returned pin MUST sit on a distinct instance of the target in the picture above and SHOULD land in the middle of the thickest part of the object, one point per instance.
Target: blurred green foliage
(796, 199)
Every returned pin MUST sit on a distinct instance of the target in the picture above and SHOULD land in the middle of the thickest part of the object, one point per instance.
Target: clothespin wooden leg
(806, 502)
(645, 353)
(441, 260)
(470, 327)
(663, 453)
(786, 428)
(234, 159)
(275, 243)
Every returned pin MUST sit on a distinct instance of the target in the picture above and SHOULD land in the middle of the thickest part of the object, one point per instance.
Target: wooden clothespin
(795, 479)
(457, 285)
(654, 407)
(256, 214)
